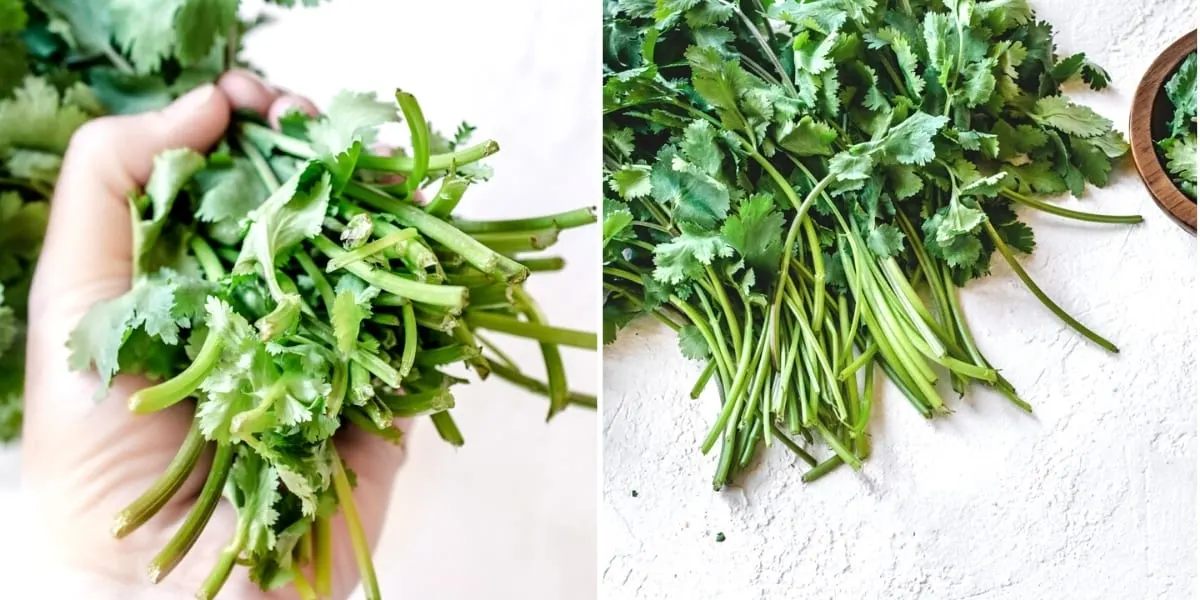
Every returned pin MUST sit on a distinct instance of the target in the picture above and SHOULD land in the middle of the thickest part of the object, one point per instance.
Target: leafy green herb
(797, 188)
(1178, 147)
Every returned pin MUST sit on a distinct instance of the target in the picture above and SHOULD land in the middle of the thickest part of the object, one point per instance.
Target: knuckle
(95, 134)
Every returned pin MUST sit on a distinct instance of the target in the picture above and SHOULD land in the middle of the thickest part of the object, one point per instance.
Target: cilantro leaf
(756, 232)
(685, 257)
(295, 212)
(692, 343)
(1073, 119)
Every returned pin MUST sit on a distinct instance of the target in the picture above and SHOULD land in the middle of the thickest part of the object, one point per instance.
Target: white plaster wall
(1093, 497)
(512, 514)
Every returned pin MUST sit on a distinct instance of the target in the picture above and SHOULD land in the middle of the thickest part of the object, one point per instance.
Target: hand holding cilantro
(86, 461)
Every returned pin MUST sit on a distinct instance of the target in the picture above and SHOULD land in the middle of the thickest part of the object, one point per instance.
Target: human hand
(84, 461)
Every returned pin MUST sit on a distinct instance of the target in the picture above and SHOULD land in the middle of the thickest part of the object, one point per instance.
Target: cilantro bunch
(798, 188)
(289, 284)
(1178, 148)
(63, 63)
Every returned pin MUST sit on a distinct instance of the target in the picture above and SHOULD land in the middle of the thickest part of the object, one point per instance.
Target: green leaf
(295, 212)
(253, 490)
(1073, 119)
(720, 82)
(692, 343)
(200, 24)
(159, 305)
(37, 117)
(171, 172)
(809, 137)
(228, 192)
(351, 119)
(699, 147)
(1181, 90)
(756, 232)
(631, 181)
(697, 197)
(886, 240)
(988, 186)
(146, 31)
(685, 257)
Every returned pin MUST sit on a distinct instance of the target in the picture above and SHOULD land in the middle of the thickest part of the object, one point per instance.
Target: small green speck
(720, 536)
(633, 493)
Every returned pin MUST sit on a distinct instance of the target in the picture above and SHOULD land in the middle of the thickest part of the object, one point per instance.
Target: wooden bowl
(1148, 122)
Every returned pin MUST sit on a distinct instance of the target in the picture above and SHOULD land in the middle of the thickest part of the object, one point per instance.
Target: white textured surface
(1092, 498)
(512, 514)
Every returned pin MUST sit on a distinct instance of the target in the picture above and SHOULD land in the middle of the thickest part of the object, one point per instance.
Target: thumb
(89, 238)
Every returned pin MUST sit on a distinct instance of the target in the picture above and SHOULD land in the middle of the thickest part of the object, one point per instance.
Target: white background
(1091, 498)
(512, 514)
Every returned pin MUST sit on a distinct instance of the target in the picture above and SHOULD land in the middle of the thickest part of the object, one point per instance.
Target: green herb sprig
(1178, 147)
(798, 188)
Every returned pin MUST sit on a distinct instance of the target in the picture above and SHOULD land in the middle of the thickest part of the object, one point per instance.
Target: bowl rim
(1178, 206)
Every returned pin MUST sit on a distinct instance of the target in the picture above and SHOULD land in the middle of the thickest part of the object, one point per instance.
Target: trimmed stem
(536, 331)
(164, 488)
(1068, 213)
(515, 377)
(1041, 296)
(171, 391)
(358, 538)
(197, 517)
(564, 220)
(438, 295)
(479, 256)
(437, 162)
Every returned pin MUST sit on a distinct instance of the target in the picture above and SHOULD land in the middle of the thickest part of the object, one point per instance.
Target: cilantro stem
(285, 143)
(504, 358)
(197, 517)
(210, 263)
(556, 372)
(409, 353)
(481, 257)
(515, 377)
(542, 264)
(259, 162)
(822, 469)
(323, 557)
(370, 249)
(419, 130)
(565, 220)
(536, 331)
(419, 404)
(116, 59)
(224, 566)
(1041, 296)
(324, 289)
(705, 376)
(358, 538)
(1068, 213)
(304, 589)
(768, 51)
(171, 391)
(447, 429)
(792, 445)
(438, 295)
(512, 242)
(142, 509)
(437, 162)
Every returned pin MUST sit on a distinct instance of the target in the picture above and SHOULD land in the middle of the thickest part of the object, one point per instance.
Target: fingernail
(190, 101)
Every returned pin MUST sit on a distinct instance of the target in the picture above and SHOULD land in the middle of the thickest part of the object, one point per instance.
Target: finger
(290, 103)
(88, 239)
(246, 90)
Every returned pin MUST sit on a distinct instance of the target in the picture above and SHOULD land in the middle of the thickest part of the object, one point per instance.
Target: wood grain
(1147, 122)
